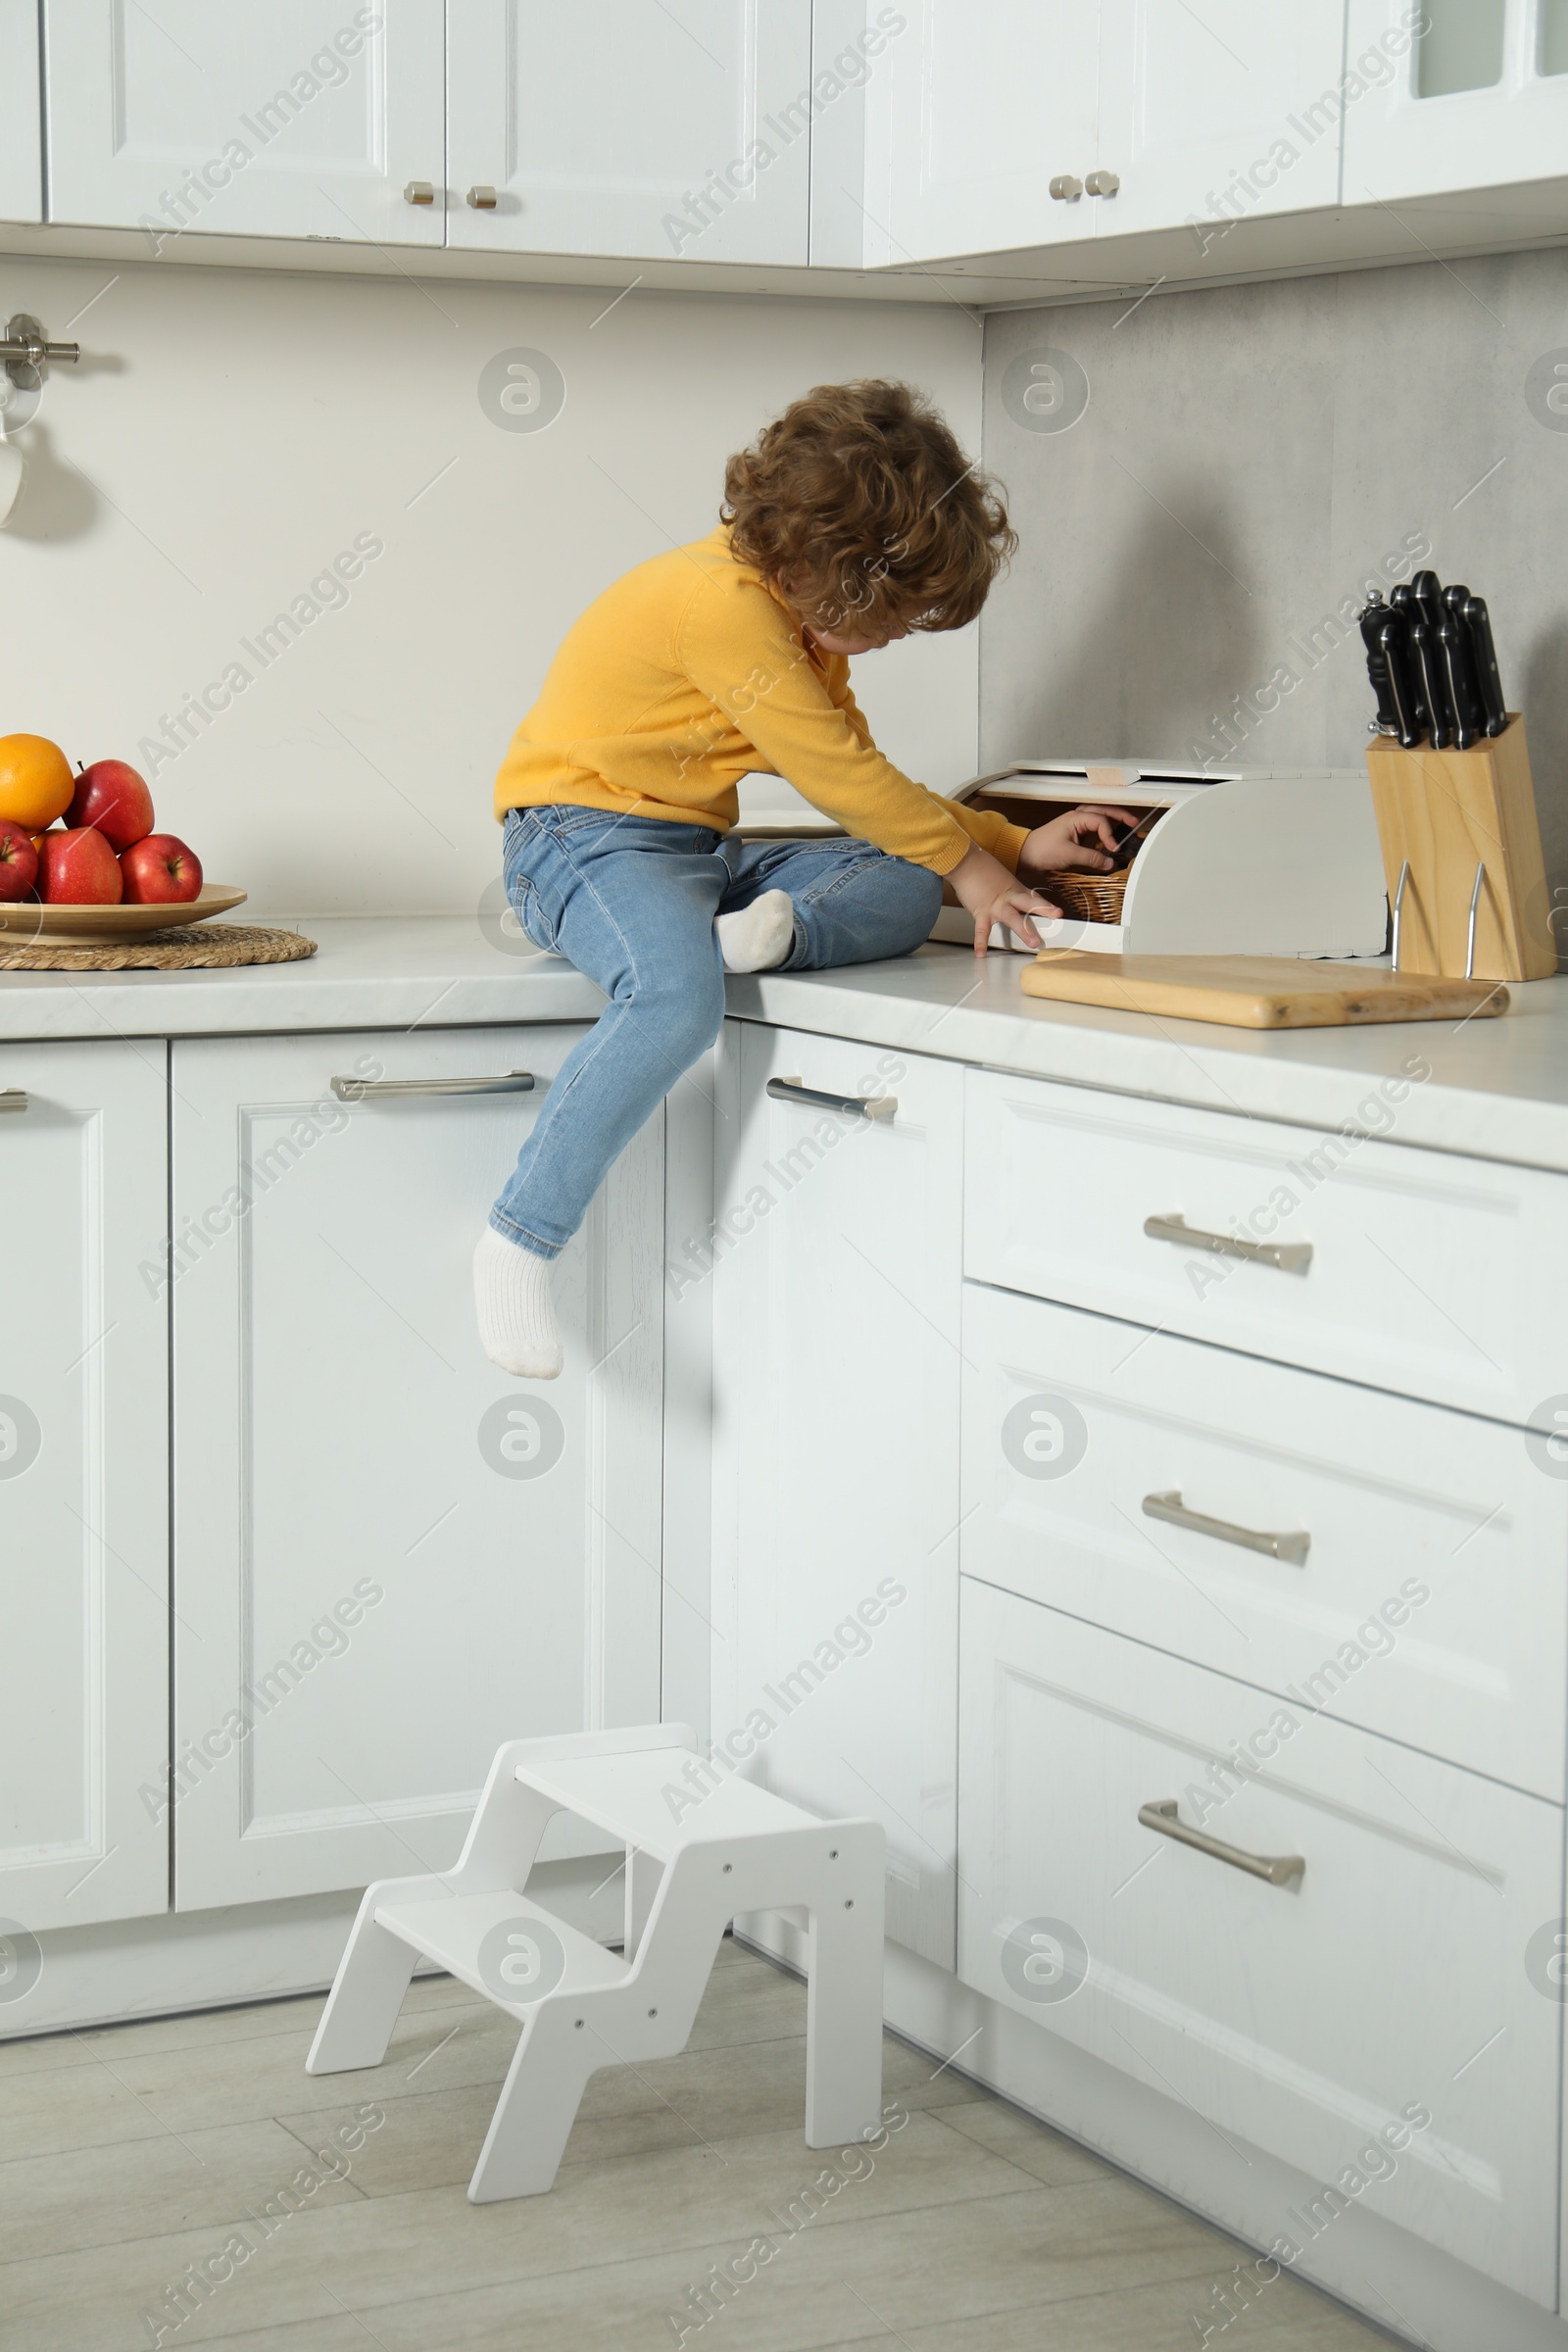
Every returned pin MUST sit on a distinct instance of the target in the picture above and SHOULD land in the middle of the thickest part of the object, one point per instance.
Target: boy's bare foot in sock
(516, 1317)
(759, 937)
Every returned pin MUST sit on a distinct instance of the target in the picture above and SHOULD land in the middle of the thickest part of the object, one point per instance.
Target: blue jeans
(631, 902)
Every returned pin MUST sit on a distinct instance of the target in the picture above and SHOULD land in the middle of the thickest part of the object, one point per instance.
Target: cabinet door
(1406, 1968)
(389, 1555)
(669, 133)
(1480, 100)
(836, 1368)
(83, 1485)
(304, 119)
(1218, 114)
(972, 110)
(21, 187)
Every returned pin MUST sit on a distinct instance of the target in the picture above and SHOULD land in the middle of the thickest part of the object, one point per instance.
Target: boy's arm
(769, 689)
(992, 830)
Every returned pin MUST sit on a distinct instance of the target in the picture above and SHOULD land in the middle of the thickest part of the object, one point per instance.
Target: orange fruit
(37, 784)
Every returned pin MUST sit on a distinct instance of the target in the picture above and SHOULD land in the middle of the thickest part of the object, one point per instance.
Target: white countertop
(1499, 1089)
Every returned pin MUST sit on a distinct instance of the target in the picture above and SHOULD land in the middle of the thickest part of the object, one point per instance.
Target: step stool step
(646, 1799)
(494, 1942)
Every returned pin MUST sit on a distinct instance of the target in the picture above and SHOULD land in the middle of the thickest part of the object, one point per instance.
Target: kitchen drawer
(1432, 1600)
(1398, 1972)
(1430, 1274)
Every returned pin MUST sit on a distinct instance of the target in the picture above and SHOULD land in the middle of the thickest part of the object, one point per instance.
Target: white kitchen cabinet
(304, 119)
(1481, 100)
(973, 107)
(390, 1556)
(1419, 1272)
(1219, 112)
(21, 183)
(1417, 1585)
(836, 1379)
(662, 134)
(83, 1485)
(987, 124)
(1389, 1981)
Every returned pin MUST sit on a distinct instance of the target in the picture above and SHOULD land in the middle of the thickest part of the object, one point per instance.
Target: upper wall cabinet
(1218, 113)
(304, 119)
(979, 116)
(994, 125)
(21, 188)
(1481, 99)
(661, 134)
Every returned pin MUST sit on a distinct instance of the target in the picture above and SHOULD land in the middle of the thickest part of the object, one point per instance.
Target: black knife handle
(1394, 648)
(1427, 660)
(1458, 672)
(1478, 620)
(1402, 600)
(1427, 590)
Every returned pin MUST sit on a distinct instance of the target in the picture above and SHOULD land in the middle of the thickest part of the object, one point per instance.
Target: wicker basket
(1085, 898)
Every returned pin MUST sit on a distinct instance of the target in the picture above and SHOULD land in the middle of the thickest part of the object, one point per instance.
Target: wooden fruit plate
(45, 924)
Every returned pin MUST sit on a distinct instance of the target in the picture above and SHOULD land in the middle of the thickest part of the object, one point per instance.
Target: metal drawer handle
(1103, 183)
(482, 199)
(13, 1099)
(1278, 1869)
(853, 1107)
(419, 191)
(1066, 189)
(355, 1090)
(1294, 1546)
(1290, 1258)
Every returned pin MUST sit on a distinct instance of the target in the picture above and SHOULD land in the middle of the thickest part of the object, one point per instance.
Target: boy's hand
(983, 886)
(1083, 837)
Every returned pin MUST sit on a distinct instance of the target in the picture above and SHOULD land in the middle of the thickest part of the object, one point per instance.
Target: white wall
(228, 433)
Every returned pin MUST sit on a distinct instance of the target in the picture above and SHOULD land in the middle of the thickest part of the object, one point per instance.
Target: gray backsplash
(1196, 541)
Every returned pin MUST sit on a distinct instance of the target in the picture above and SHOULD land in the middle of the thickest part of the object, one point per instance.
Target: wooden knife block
(1442, 815)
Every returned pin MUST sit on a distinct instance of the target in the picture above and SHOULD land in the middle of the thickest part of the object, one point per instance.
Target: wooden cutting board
(1257, 992)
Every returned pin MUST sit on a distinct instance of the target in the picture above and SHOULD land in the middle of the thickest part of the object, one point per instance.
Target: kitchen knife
(1478, 622)
(1426, 656)
(1387, 665)
(1427, 590)
(1459, 678)
(1401, 599)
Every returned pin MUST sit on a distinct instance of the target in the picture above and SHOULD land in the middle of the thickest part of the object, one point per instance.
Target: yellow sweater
(690, 672)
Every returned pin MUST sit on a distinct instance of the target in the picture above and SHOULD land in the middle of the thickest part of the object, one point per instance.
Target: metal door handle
(482, 200)
(1290, 1258)
(1066, 189)
(1278, 1869)
(1103, 183)
(355, 1090)
(854, 1106)
(1294, 1546)
(13, 1099)
(419, 191)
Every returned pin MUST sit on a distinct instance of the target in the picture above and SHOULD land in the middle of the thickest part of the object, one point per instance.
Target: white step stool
(691, 1862)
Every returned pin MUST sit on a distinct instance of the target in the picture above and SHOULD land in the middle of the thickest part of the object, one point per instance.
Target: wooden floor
(134, 2152)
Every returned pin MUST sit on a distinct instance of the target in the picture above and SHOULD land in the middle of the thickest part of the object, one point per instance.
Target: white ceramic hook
(13, 465)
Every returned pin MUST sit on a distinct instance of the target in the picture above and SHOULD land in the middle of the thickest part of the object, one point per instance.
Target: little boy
(854, 520)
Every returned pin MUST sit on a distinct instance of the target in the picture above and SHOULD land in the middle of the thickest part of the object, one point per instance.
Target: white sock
(517, 1318)
(759, 937)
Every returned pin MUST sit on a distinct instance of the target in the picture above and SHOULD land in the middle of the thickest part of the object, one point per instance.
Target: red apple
(79, 868)
(160, 871)
(113, 798)
(19, 863)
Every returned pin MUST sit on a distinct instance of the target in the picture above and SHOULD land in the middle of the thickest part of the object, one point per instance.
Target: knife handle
(1427, 590)
(1401, 599)
(1458, 672)
(1394, 654)
(1478, 622)
(1372, 619)
(1427, 659)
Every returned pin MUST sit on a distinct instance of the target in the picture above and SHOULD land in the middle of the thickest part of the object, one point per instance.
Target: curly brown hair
(859, 506)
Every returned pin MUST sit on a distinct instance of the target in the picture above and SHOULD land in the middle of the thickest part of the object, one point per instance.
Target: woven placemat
(205, 946)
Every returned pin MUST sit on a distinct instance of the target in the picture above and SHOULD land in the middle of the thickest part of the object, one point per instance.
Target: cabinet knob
(1102, 183)
(419, 191)
(483, 200)
(1066, 189)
